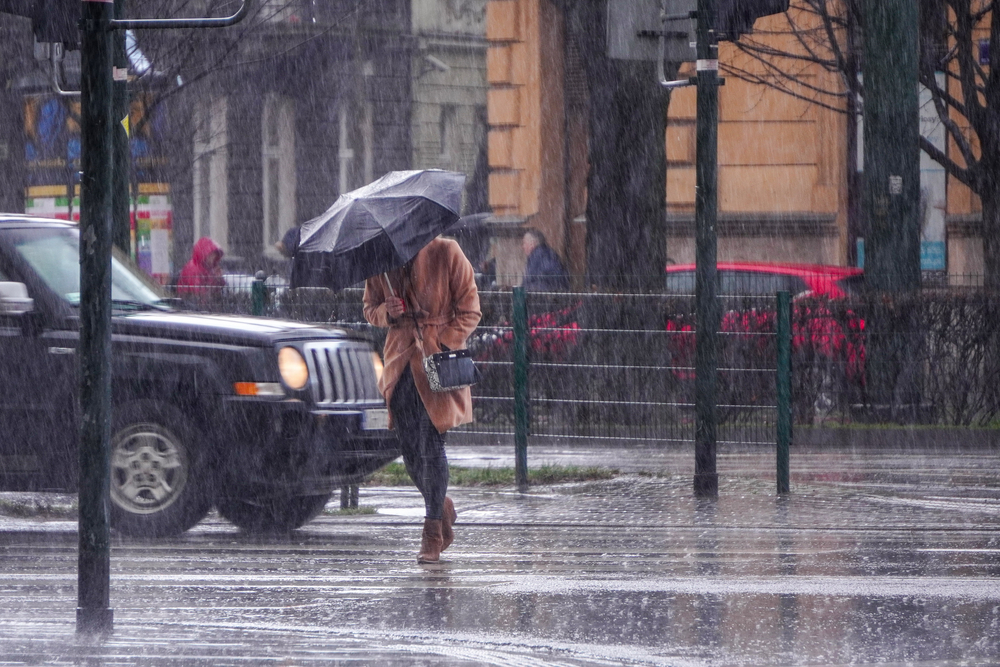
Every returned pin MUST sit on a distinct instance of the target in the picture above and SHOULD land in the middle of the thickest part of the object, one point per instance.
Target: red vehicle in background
(761, 278)
(822, 332)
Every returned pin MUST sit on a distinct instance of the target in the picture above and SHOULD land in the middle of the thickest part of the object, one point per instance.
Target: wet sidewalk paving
(874, 558)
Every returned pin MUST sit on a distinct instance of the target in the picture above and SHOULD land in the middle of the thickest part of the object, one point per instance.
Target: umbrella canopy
(377, 228)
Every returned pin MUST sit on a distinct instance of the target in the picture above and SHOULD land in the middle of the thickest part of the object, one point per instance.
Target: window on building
(448, 133)
(367, 131)
(357, 145)
(276, 11)
(211, 176)
(278, 169)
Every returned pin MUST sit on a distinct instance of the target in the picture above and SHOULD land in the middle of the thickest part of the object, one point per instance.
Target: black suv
(262, 418)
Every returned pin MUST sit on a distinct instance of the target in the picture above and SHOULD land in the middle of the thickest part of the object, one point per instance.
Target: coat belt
(437, 320)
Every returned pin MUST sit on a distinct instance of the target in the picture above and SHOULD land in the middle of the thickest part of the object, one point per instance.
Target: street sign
(634, 28)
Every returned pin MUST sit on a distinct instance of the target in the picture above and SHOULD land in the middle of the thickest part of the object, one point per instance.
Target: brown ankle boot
(448, 517)
(430, 542)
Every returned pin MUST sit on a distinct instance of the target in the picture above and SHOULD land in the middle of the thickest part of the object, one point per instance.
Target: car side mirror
(14, 299)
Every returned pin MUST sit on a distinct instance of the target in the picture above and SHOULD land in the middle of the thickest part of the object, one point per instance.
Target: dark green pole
(520, 389)
(258, 294)
(891, 145)
(706, 479)
(94, 613)
(121, 225)
(784, 380)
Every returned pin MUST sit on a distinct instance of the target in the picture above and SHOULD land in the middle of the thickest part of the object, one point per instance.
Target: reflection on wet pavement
(889, 558)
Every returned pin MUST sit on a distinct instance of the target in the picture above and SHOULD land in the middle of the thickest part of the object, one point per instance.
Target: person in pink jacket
(201, 278)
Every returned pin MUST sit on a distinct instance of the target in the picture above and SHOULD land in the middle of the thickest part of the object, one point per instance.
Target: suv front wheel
(158, 472)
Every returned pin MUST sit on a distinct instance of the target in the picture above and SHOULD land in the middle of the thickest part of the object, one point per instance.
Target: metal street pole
(97, 125)
(94, 613)
(121, 225)
(706, 479)
(520, 317)
(784, 388)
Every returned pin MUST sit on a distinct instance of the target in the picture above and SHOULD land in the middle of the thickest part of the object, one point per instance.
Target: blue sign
(933, 255)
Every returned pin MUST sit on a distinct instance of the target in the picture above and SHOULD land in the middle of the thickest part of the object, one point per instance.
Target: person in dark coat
(544, 271)
(288, 246)
(289, 243)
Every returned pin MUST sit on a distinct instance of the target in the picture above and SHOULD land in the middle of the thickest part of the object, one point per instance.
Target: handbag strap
(413, 314)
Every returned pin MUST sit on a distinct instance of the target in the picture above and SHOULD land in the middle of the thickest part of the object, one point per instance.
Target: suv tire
(272, 515)
(159, 471)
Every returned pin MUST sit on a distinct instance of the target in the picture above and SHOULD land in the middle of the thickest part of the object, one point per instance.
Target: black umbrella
(377, 228)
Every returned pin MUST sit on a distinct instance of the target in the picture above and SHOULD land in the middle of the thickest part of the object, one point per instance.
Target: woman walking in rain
(435, 291)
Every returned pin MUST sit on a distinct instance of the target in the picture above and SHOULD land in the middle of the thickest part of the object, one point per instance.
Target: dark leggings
(421, 444)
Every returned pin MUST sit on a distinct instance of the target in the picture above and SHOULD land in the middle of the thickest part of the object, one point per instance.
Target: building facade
(449, 92)
(785, 177)
(242, 134)
(237, 134)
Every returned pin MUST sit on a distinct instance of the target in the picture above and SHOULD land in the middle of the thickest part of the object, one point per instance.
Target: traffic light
(51, 20)
(736, 17)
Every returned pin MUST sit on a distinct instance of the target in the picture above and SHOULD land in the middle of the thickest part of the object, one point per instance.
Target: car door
(37, 406)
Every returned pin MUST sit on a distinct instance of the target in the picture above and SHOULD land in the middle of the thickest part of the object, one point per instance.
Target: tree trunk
(626, 185)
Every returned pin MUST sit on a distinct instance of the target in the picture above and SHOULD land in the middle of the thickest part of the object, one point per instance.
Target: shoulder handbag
(450, 369)
(447, 370)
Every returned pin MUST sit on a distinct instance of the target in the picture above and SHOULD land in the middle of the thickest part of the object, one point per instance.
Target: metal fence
(617, 367)
(608, 367)
(621, 366)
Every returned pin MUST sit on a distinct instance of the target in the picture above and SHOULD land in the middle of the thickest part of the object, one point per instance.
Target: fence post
(520, 307)
(258, 294)
(784, 380)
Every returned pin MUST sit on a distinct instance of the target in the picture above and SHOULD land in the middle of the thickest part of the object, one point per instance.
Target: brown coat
(441, 291)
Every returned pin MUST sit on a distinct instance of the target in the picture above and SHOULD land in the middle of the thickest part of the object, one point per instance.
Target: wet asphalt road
(887, 559)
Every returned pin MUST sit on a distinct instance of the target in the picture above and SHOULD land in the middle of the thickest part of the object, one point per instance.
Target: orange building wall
(777, 155)
(526, 117)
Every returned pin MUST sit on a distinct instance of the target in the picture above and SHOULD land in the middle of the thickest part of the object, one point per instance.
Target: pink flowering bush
(827, 348)
(551, 336)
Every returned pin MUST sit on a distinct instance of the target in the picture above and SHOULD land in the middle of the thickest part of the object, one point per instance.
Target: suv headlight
(292, 367)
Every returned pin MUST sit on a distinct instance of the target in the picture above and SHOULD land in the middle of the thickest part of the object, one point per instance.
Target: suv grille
(341, 373)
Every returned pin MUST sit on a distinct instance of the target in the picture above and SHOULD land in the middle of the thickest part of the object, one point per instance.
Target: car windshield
(54, 254)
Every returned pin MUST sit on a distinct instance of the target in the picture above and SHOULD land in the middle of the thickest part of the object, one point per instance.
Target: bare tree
(177, 61)
(954, 39)
(626, 203)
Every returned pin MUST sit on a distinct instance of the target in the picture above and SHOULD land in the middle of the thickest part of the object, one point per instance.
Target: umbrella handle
(392, 291)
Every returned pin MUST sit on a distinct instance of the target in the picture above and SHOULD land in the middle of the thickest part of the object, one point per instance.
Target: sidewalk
(874, 558)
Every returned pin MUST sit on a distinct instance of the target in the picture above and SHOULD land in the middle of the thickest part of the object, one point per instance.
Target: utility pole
(706, 478)
(94, 613)
(97, 128)
(716, 19)
(643, 29)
